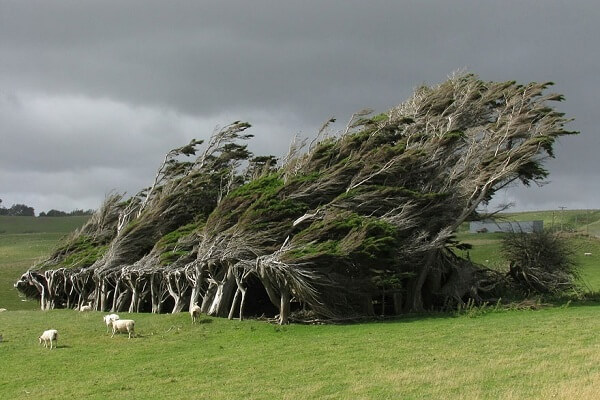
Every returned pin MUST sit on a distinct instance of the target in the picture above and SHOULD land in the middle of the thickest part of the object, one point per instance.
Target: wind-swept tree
(358, 223)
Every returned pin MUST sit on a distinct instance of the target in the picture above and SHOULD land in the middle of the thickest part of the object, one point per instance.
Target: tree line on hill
(17, 210)
(74, 213)
(22, 210)
(353, 224)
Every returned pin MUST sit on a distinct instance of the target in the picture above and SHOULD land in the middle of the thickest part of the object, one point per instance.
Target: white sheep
(2, 309)
(108, 320)
(49, 336)
(123, 325)
(195, 312)
(587, 254)
(87, 307)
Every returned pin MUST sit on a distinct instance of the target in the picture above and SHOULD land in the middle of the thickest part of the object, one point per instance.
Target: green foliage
(274, 208)
(78, 252)
(168, 241)
(169, 257)
(176, 244)
(356, 242)
(304, 178)
(310, 250)
(380, 118)
(238, 201)
(83, 256)
(265, 185)
(17, 210)
(452, 136)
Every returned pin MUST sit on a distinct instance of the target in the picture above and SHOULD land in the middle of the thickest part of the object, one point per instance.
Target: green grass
(12, 225)
(590, 265)
(23, 242)
(550, 353)
(18, 252)
(509, 354)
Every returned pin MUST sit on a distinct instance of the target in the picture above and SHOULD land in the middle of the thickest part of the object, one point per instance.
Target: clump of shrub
(540, 262)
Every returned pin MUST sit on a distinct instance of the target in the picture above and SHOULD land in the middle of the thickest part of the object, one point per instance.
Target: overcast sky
(94, 93)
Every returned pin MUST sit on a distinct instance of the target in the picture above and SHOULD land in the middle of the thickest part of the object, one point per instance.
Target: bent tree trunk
(414, 301)
(284, 307)
(222, 299)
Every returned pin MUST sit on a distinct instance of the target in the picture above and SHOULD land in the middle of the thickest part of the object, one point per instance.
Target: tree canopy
(18, 210)
(352, 224)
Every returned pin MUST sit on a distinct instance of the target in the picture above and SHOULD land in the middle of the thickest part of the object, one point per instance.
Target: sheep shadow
(58, 346)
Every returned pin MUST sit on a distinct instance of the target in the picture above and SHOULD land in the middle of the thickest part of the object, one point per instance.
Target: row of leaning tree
(352, 224)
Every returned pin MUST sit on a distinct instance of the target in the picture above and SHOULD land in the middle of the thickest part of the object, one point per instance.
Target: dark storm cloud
(92, 85)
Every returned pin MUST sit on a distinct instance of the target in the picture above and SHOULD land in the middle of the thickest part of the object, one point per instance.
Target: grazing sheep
(123, 325)
(587, 254)
(195, 312)
(49, 336)
(87, 307)
(108, 320)
(2, 309)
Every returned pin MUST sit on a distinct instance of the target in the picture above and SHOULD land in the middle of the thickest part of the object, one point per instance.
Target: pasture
(23, 241)
(486, 353)
(553, 352)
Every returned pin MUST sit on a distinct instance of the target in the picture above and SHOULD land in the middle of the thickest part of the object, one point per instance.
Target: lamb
(49, 336)
(195, 312)
(123, 325)
(108, 320)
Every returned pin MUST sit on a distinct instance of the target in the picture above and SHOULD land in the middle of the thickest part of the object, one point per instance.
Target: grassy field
(23, 241)
(549, 353)
(28, 225)
(581, 226)
(487, 251)
(584, 221)
(491, 354)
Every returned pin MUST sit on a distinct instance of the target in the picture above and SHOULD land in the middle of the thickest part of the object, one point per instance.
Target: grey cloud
(143, 76)
(76, 149)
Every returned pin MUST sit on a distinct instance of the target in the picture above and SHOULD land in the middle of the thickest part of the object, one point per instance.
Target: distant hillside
(585, 221)
(17, 225)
